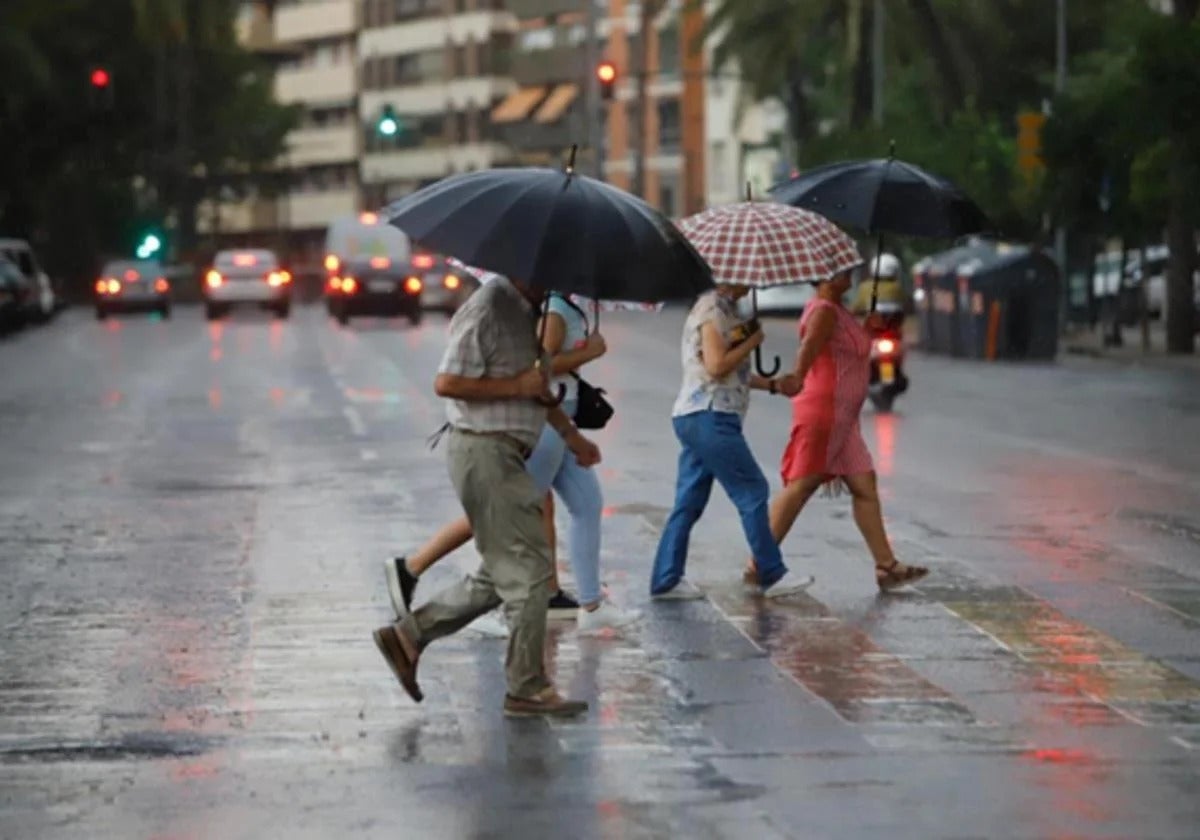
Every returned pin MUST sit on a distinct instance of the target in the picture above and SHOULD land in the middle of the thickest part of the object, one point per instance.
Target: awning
(518, 105)
(556, 103)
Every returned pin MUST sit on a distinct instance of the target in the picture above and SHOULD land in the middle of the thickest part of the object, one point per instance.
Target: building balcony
(433, 33)
(313, 21)
(430, 161)
(530, 9)
(336, 144)
(249, 216)
(560, 64)
(338, 83)
(435, 97)
(318, 209)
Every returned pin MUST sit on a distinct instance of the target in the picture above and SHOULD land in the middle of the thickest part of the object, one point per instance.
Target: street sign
(1029, 142)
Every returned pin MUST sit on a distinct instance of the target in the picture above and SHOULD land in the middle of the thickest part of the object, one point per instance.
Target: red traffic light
(606, 72)
(100, 78)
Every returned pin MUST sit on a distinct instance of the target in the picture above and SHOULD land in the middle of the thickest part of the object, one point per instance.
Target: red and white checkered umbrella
(483, 276)
(763, 244)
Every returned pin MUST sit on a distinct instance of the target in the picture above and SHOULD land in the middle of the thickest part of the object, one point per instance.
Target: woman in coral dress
(826, 447)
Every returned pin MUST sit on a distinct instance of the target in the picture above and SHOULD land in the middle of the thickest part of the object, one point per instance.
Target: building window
(667, 198)
(719, 170)
(670, 131)
(416, 131)
(668, 51)
(535, 40)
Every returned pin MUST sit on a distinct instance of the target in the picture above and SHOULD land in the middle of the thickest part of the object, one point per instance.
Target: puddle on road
(134, 746)
(840, 663)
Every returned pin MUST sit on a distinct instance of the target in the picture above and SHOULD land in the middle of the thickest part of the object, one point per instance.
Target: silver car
(132, 285)
(250, 277)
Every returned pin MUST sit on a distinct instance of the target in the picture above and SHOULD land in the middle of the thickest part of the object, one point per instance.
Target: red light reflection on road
(214, 398)
(885, 439)
(113, 398)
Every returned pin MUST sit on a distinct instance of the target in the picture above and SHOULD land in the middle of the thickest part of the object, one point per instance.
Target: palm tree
(776, 45)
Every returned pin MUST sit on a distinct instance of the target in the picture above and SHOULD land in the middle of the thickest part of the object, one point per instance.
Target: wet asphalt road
(192, 519)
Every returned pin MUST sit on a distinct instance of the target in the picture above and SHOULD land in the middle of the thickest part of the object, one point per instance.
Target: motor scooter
(888, 379)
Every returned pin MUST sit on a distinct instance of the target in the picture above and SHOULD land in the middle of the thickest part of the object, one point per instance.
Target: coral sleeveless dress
(826, 439)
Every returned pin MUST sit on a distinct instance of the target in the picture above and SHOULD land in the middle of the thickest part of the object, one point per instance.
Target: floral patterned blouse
(700, 391)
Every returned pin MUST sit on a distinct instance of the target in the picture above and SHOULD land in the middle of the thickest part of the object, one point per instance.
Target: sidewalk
(1081, 341)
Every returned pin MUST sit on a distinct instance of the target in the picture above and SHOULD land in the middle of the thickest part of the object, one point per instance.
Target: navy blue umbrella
(884, 195)
(557, 230)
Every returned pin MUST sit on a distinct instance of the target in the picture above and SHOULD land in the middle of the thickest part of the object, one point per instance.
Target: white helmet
(885, 265)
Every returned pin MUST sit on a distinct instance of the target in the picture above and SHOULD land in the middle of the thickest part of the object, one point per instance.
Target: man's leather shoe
(402, 655)
(548, 703)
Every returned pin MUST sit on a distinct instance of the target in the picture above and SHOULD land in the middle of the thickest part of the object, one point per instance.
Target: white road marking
(355, 420)
(369, 455)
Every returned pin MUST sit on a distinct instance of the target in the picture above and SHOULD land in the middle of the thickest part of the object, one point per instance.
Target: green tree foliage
(1123, 147)
(189, 112)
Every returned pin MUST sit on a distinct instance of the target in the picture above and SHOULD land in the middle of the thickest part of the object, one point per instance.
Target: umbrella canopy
(884, 195)
(556, 230)
(762, 244)
(483, 276)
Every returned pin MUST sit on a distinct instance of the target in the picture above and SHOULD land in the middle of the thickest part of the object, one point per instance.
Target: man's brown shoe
(547, 703)
(403, 664)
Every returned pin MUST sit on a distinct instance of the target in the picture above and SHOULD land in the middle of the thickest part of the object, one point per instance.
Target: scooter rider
(891, 291)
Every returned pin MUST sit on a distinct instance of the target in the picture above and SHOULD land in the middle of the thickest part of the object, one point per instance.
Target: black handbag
(592, 411)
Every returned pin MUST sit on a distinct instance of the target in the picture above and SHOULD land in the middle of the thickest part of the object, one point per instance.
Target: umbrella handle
(556, 400)
(758, 364)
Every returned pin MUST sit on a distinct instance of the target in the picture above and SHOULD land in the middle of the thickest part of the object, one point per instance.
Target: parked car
(132, 286)
(251, 277)
(45, 300)
(782, 300)
(15, 291)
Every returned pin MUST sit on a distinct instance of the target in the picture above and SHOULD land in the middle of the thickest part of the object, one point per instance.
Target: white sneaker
(685, 590)
(606, 616)
(790, 584)
(491, 625)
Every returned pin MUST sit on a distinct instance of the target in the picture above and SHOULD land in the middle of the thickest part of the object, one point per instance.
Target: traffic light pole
(595, 133)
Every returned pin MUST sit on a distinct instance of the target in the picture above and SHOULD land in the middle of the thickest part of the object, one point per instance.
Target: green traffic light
(388, 124)
(149, 246)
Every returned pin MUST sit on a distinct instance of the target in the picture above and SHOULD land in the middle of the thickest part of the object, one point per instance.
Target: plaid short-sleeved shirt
(492, 336)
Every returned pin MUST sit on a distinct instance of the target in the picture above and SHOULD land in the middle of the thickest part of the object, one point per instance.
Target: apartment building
(323, 151)
(698, 139)
(546, 112)
(313, 47)
(440, 66)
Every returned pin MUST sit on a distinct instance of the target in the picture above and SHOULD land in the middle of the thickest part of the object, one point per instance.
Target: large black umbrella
(557, 230)
(884, 195)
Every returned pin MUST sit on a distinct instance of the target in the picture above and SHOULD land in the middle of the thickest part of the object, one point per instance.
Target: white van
(21, 255)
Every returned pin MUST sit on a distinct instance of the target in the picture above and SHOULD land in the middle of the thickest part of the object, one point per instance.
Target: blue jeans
(714, 447)
(552, 465)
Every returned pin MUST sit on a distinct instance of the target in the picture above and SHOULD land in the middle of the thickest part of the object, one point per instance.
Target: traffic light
(150, 245)
(100, 88)
(606, 74)
(388, 124)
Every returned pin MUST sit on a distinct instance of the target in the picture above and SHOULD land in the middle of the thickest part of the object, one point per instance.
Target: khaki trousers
(505, 511)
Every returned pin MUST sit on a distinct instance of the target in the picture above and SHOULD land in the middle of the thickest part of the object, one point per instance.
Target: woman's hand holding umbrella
(762, 244)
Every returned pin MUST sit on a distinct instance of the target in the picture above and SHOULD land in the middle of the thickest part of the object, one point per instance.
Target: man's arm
(462, 374)
(528, 385)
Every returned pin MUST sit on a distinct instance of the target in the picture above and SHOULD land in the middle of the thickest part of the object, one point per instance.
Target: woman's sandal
(897, 575)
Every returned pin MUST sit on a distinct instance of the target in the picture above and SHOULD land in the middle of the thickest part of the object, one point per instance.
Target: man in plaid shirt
(497, 396)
